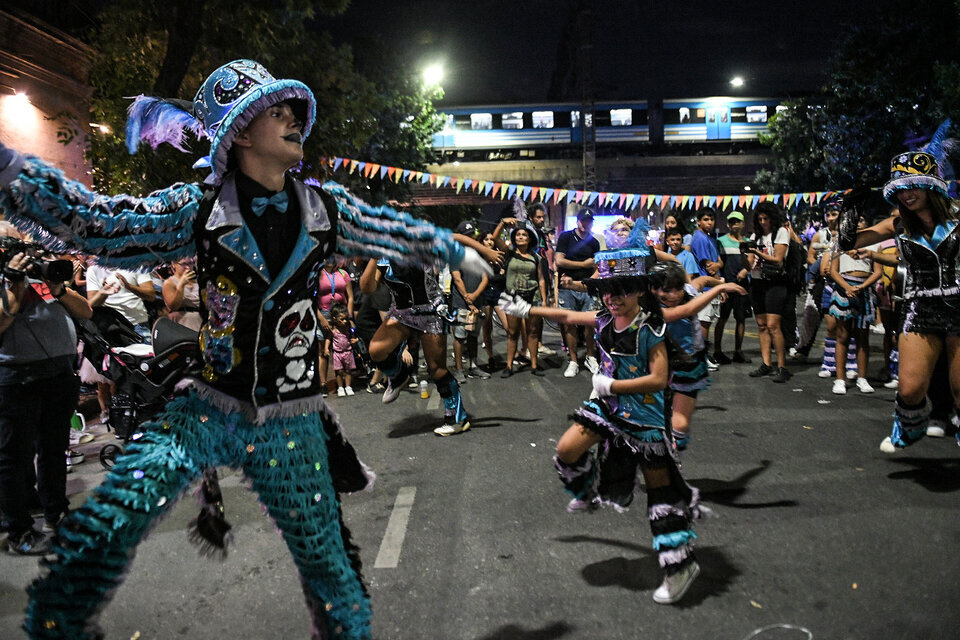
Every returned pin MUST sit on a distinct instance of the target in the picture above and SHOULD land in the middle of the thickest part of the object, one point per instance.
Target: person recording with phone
(38, 355)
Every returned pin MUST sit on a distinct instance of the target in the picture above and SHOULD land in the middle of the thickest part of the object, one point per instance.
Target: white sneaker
(591, 364)
(341, 391)
(825, 373)
(675, 586)
(545, 351)
(864, 386)
(792, 352)
(893, 384)
(851, 374)
(349, 390)
(935, 429)
(572, 370)
(887, 446)
(839, 387)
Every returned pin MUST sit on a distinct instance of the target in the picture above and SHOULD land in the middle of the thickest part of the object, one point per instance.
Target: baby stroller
(144, 375)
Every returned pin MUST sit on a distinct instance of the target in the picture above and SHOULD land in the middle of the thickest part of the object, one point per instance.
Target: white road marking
(389, 555)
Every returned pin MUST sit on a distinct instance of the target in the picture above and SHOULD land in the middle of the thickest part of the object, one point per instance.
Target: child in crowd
(624, 418)
(681, 302)
(340, 346)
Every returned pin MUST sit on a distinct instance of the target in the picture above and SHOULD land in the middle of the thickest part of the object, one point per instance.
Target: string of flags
(556, 195)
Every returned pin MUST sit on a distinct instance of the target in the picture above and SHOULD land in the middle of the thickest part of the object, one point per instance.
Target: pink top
(340, 342)
(333, 288)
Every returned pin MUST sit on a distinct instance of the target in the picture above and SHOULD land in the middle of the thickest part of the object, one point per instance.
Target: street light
(433, 75)
(736, 82)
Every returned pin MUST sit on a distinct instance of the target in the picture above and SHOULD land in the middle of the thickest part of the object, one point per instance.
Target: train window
(575, 119)
(781, 107)
(621, 117)
(543, 119)
(562, 119)
(738, 115)
(513, 120)
(481, 121)
(462, 122)
(601, 118)
(684, 115)
(757, 113)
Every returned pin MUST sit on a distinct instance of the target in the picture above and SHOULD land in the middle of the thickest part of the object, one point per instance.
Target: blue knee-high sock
(392, 365)
(449, 390)
(829, 355)
(852, 355)
(909, 422)
(671, 526)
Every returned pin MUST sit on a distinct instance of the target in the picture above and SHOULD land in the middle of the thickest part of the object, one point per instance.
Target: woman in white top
(854, 305)
(768, 287)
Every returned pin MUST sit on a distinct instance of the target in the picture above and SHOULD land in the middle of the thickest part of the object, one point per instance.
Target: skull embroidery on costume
(295, 333)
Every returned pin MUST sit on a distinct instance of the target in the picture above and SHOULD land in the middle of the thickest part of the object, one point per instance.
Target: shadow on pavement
(513, 632)
(727, 492)
(939, 475)
(644, 573)
(426, 423)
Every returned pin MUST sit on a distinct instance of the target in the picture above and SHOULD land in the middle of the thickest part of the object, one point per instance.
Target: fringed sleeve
(118, 231)
(382, 232)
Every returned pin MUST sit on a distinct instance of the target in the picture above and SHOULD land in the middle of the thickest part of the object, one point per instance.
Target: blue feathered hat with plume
(226, 102)
(928, 168)
(622, 267)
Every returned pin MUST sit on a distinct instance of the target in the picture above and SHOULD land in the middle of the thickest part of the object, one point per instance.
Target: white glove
(474, 263)
(602, 385)
(514, 305)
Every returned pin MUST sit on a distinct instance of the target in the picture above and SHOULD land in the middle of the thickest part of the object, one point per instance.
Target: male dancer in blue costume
(261, 238)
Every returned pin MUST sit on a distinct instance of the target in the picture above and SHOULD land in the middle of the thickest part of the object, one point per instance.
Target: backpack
(795, 266)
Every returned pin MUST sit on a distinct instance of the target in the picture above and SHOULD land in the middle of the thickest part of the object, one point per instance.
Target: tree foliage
(166, 49)
(893, 79)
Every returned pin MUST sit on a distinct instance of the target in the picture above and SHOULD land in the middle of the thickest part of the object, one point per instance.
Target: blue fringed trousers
(285, 460)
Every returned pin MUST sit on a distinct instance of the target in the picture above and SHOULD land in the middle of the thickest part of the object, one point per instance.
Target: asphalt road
(818, 534)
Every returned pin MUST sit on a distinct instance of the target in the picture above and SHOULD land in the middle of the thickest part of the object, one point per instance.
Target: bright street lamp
(433, 75)
(736, 81)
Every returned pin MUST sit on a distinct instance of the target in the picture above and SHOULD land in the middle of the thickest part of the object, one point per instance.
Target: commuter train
(553, 130)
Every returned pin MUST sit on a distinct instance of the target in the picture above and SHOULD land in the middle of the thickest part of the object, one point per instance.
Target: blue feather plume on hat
(155, 121)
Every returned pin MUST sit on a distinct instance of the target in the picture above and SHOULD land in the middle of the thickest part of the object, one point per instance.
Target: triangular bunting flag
(467, 183)
(496, 189)
(336, 163)
(489, 188)
(726, 202)
(592, 197)
(533, 193)
(696, 203)
(406, 175)
(510, 190)
(684, 201)
(546, 194)
(559, 195)
(390, 172)
(630, 200)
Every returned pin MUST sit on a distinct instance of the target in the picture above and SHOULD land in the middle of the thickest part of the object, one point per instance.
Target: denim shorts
(577, 300)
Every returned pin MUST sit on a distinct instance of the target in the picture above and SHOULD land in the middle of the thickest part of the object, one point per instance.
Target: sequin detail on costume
(216, 337)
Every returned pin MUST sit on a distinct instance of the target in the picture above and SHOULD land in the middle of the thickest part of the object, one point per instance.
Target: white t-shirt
(846, 264)
(765, 245)
(124, 301)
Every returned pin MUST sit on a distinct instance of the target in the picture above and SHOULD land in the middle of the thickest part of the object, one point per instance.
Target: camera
(747, 245)
(37, 265)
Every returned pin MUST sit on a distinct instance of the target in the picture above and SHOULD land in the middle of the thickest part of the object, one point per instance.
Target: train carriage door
(718, 122)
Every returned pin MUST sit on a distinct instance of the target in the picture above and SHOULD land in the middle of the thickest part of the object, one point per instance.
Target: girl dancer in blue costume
(625, 417)
(680, 302)
(261, 238)
(928, 239)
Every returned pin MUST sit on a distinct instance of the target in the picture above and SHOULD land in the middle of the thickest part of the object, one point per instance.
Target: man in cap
(576, 249)
(734, 270)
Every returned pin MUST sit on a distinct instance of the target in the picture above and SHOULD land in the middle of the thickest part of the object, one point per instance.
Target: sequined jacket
(259, 339)
(931, 273)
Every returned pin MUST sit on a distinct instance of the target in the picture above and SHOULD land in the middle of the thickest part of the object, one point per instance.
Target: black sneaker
(762, 370)
(738, 357)
(29, 543)
(782, 375)
(721, 358)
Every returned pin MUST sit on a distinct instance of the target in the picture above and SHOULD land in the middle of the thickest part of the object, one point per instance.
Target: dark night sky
(497, 51)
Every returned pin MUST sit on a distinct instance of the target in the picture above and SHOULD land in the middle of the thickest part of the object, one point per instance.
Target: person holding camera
(38, 355)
